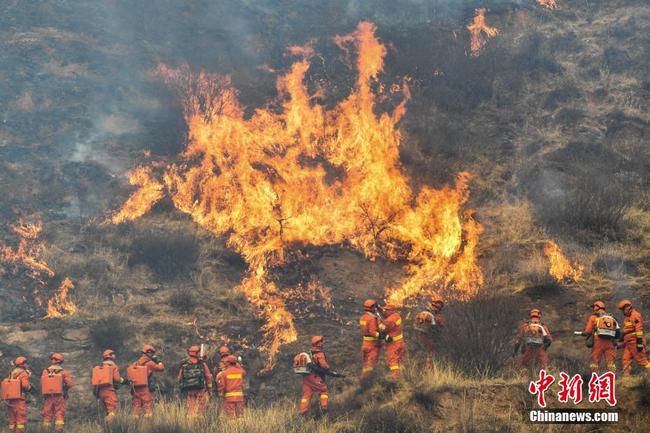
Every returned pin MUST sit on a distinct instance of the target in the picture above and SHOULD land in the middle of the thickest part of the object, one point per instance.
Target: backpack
(138, 374)
(606, 326)
(192, 376)
(102, 375)
(11, 389)
(424, 321)
(301, 362)
(51, 383)
(534, 334)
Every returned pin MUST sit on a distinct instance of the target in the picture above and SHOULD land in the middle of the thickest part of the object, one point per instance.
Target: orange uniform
(143, 397)
(54, 404)
(315, 382)
(230, 385)
(634, 342)
(427, 323)
(197, 399)
(369, 325)
(107, 394)
(17, 408)
(604, 346)
(533, 338)
(392, 327)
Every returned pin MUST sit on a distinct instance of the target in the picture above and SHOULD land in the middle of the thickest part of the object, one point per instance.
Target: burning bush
(265, 183)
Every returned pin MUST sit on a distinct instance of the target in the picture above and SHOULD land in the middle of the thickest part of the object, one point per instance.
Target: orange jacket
(206, 371)
(369, 326)
(633, 326)
(230, 383)
(393, 326)
(117, 377)
(57, 369)
(22, 375)
(151, 366)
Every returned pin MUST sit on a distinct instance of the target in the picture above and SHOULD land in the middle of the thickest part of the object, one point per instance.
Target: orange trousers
(630, 354)
(17, 415)
(142, 402)
(369, 358)
(534, 354)
(603, 348)
(425, 343)
(233, 409)
(395, 357)
(108, 396)
(196, 401)
(311, 384)
(54, 409)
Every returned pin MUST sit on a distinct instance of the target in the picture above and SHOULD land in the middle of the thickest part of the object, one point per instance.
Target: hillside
(550, 120)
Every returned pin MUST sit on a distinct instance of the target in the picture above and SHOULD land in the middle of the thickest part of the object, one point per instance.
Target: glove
(639, 345)
(127, 382)
(547, 344)
(388, 339)
(96, 391)
(156, 359)
(65, 394)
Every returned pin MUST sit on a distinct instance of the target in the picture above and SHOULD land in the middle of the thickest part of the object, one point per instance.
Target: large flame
(549, 4)
(26, 258)
(479, 32)
(560, 267)
(297, 173)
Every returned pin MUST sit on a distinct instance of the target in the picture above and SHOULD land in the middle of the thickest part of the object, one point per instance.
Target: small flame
(549, 4)
(26, 258)
(479, 32)
(59, 305)
(303, 174)
(560, 267)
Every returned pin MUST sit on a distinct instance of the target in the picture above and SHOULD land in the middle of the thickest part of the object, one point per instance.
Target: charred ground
(551, 119)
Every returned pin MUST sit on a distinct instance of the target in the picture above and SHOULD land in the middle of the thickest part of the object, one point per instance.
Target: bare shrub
(168, 254)
(110, 332)
(183, 300)
(483, 345)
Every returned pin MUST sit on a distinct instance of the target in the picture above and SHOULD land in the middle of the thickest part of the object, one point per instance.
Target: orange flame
(549, 4)
(479, 32)
(59, 305)
(560, 267)
(26, 257)
(302, 174)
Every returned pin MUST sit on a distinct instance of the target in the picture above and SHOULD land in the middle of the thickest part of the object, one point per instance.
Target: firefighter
(634, 341)
(107, 393)
(314, 382)
(427, 325)
(17, 404)
(143, 397)
(55, 383)
(604, 330)
(371, 345)
(393, 333)
(195, 381)
(533, 339)
(224, 352)
(230, 386)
